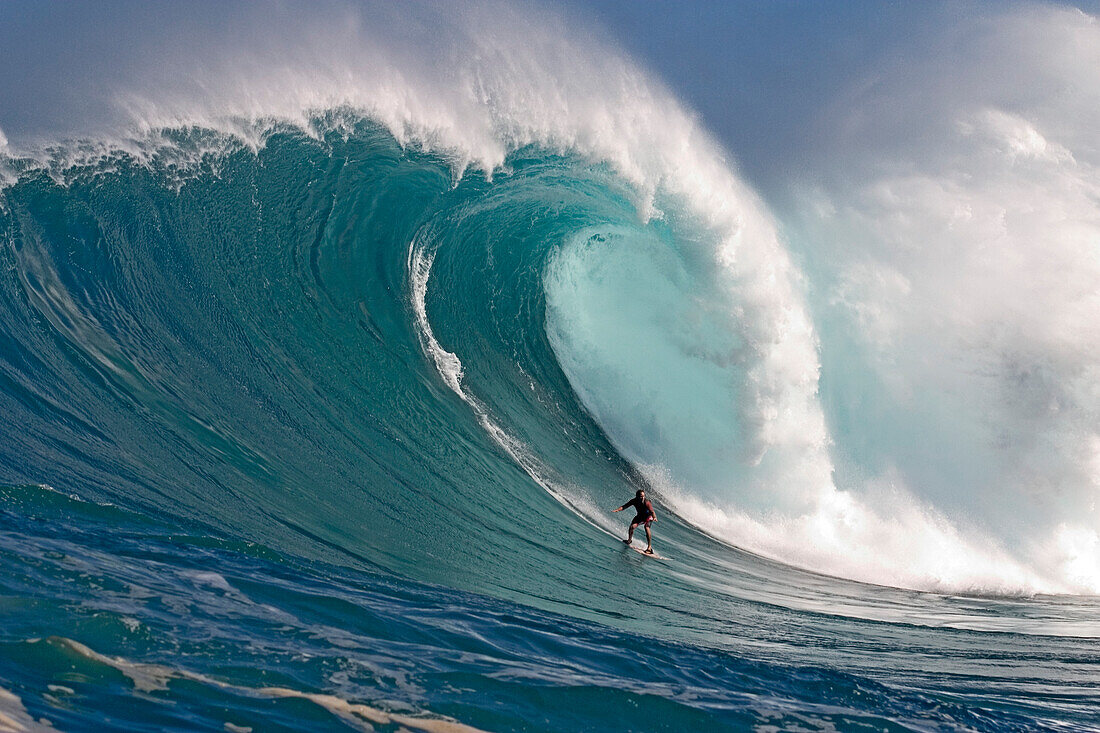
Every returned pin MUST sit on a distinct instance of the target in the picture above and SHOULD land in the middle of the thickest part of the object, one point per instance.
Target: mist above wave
(950, 229)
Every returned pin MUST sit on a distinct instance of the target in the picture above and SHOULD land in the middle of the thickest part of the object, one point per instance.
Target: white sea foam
(446, 363)
(955, 232)
(153, 677)
(7, 176)
(14, 718)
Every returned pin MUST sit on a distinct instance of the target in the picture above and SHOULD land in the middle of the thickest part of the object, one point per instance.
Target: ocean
(316, 421)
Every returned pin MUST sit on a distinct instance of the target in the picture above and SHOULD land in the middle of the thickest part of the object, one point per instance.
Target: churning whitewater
(320, 378)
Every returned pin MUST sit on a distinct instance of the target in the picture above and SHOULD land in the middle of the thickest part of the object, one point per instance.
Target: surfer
(645, 515)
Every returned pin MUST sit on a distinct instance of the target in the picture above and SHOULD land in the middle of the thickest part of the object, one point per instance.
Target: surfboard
(641, 551)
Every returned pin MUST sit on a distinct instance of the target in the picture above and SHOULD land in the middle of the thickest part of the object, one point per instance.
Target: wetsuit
(644, 508)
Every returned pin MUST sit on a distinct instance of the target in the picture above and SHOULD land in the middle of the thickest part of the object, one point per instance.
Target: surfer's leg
(648, 538)
(630, 534)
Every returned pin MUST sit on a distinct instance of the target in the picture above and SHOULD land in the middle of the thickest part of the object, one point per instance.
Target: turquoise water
(313, 425)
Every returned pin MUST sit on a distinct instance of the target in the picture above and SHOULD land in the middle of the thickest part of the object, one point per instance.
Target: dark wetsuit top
(644, 508)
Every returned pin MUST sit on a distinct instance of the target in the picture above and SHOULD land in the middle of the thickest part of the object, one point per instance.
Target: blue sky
(760, 73)
(757, 71)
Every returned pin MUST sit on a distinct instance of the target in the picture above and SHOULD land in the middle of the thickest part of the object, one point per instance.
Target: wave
(237, 306)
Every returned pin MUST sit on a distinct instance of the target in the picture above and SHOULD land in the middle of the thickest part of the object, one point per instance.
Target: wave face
(352, 337)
